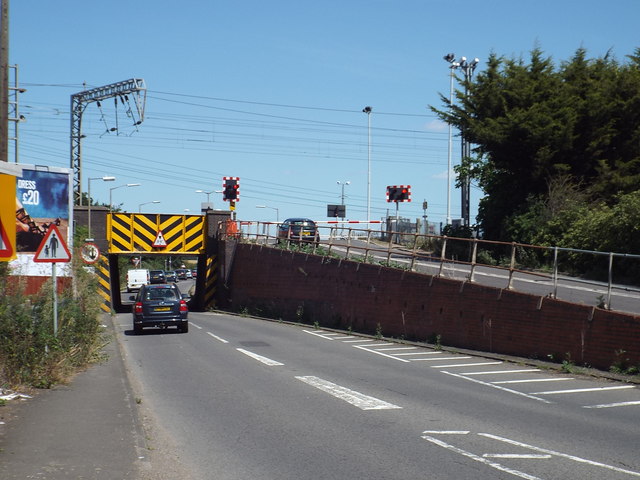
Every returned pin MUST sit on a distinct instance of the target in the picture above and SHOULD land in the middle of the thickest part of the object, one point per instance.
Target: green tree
(535, 125)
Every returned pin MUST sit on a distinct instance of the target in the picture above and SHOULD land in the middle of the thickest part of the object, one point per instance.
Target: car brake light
(183, 306)
(138, 307)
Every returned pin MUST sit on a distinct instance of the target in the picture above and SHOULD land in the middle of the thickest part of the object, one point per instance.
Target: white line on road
(194, 325)
(217, 337)
(396, 348)
(533, 380)
(500, 372)
(530, 456)
(436, 359)
(419, 353)
(466, 365)
(612, 405)
(367, 349)
(364, 402)
(260, 358)
(558, 454)
(508, 390)
(581, 390)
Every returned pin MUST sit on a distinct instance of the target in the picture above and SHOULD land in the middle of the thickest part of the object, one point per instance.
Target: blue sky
(272, 92)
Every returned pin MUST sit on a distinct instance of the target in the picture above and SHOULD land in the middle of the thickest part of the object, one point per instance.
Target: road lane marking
(508, 390)
(194, 325)
(363, 402)
(260, 358)
(526, 456)
(582, 390)
(360, 340)
(436, 359)
(612, 405)
(534, 380)
(500, 372)
(562, 455)
(419, 353)
(318, 333)
(396, 348)
(477, 458)
(217, 337)
(367, 349)
(466, 365)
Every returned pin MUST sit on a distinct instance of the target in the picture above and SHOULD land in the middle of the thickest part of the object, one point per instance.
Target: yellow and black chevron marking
(211, 282)
(104, 283)
(137, 232)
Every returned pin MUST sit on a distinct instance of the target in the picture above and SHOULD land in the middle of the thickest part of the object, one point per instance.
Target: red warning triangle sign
(6, 247)
(53, 248)
(159, 241)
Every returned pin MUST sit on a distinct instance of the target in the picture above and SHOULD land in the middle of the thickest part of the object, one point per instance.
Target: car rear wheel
(137, 329)
(184, 328)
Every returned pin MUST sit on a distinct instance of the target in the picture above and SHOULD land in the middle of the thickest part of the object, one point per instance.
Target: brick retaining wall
(370, 299)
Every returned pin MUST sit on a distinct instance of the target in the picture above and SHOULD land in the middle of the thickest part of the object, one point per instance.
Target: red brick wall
(365, 298)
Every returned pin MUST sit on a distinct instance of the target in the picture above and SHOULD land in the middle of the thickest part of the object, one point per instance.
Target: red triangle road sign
(53, 248)
(159, 241)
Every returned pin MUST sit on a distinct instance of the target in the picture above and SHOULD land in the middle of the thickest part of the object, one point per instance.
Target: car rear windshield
(161, 294)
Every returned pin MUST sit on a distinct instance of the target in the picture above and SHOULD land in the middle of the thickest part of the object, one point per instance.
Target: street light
(104, 179)
(146, 203)
(115, 188)
(272, 208)
(468, 69)
(450, 57)
(368, 110)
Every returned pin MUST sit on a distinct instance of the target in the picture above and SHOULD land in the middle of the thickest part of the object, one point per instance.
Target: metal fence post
(608, 305)
(555, 272)
(474, 252)
(443, 255)
(512, 265)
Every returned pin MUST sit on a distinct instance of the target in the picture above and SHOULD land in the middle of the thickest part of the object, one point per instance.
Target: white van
(136, 278)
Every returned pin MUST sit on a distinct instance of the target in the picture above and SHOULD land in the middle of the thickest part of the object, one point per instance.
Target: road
(248, 398)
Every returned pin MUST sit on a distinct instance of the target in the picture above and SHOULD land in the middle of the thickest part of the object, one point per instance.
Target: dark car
(181, 273)
(194, 273)
(160, 306)
(170, 276)
(156, 276)
(298, 230)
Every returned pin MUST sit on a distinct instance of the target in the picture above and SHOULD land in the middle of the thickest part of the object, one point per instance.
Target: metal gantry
(79, 102)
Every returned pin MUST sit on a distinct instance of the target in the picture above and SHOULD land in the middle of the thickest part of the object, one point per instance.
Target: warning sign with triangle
(159, 241)
(6, 245)
(53, 248)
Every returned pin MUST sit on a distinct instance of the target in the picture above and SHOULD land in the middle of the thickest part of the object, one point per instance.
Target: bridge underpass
(137, 234)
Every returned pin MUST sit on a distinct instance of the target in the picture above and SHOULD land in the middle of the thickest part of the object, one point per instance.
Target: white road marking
(508, 390)
(446, 432)
(366, 348)
(562, 455)
(318, 333)
(217, 337)
(581, 390)
(530, 456)
(534, 380)
(260, 358)
(364, 402)
(500, 372)
(360, 340)
(612, 405)
(420, 353)
(436, 359)
(477, 458)
(396, 348)
(194, 325)
(466, 365)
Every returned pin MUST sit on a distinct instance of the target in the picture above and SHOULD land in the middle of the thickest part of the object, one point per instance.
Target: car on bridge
(160, 305)
(298, 230)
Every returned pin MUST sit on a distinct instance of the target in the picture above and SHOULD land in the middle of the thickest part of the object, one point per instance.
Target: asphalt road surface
(243, 398)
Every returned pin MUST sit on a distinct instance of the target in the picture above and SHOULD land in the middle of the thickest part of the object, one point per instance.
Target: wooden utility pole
(4, 80)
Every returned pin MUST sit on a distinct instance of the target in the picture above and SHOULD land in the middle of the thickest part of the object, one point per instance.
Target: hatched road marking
(363, 402)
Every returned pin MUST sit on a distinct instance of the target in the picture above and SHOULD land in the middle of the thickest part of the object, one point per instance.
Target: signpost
(53, 249)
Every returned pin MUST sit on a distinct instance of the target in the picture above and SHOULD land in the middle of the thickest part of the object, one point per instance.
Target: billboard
(43, 198)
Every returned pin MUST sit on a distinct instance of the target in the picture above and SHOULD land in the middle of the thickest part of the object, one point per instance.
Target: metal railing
(575, 275)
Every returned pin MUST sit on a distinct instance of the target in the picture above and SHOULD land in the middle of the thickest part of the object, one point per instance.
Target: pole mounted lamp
(272, 208)
(104, 179)
(467, 68)
(368, 111)
(115, 188)
(146, 203)
(451, 59)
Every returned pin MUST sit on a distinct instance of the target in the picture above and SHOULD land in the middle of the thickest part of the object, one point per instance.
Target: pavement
(87, 429)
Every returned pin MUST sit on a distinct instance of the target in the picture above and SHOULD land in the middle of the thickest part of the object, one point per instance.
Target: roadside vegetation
(30, 354)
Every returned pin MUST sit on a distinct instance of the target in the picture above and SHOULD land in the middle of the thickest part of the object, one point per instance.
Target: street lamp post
(342, 185)
(468, 69)
(104, 179)
(272, 208)
(115, 188)
(450, 57)
(368, 111)
(209, 206)
(146, 203)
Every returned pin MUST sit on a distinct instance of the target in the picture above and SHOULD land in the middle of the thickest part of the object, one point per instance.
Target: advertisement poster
(43, 197)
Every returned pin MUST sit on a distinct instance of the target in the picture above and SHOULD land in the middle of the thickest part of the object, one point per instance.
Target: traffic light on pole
(399, 193)
(231, 189)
